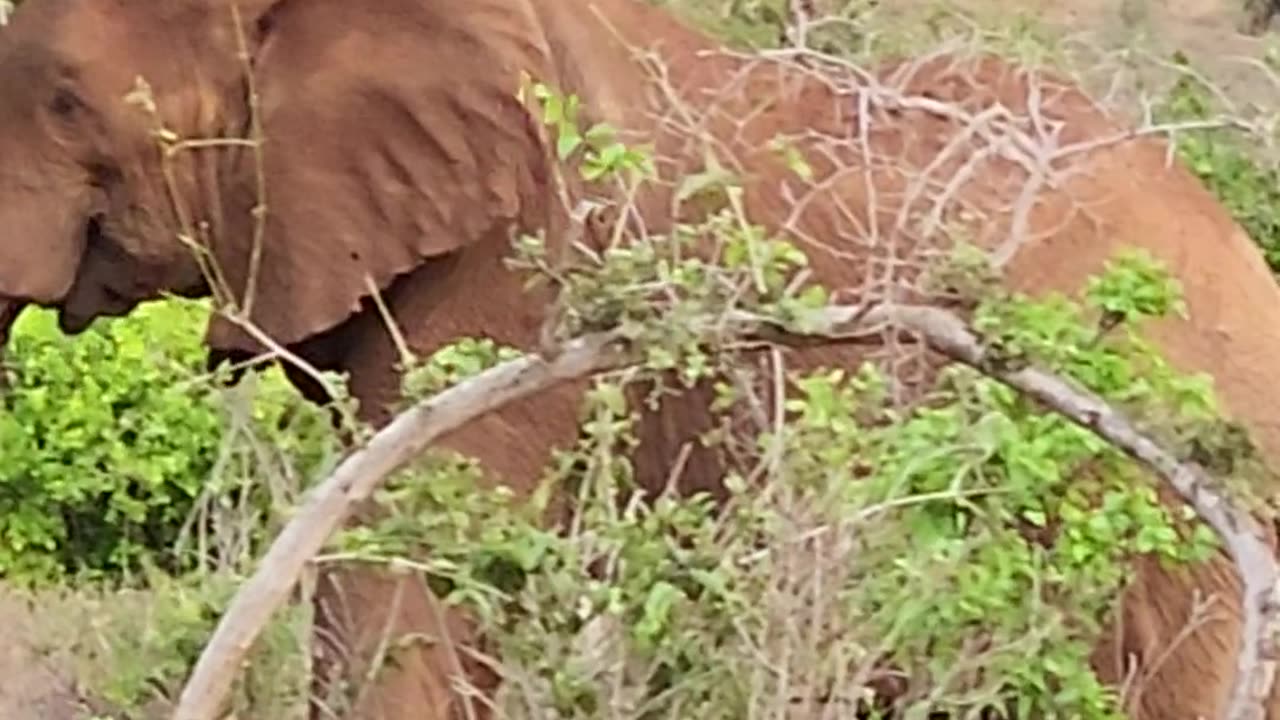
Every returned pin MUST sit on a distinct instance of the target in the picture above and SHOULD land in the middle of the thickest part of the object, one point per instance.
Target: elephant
(397, 159)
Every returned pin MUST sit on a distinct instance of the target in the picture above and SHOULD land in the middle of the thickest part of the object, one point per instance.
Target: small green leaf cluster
(748, 23)
(603, 155)
(450, 364)
(675, 300)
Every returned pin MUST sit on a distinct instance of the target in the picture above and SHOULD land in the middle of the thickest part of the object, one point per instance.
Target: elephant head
(313, 151)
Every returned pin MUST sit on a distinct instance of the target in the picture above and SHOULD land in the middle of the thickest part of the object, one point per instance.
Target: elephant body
(397, 156)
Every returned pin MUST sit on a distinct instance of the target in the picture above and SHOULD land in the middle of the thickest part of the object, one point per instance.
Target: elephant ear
(393, 134)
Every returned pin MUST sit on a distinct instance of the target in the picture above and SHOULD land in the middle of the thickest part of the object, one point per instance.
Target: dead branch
(413, 431)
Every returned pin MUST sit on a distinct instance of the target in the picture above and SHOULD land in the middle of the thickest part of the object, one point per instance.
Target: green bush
(950, 543)
(110, 440)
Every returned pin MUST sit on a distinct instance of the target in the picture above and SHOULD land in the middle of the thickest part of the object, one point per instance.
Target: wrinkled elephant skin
(398, 154)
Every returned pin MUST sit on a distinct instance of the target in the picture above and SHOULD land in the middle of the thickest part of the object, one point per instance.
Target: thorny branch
(414, 430)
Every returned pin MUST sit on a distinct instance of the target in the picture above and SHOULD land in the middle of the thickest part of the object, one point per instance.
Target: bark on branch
(412, 432)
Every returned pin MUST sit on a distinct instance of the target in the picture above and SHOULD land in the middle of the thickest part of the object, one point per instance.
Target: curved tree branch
(413, 431)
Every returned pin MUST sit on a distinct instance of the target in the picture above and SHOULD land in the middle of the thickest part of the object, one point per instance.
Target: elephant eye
(64, 104)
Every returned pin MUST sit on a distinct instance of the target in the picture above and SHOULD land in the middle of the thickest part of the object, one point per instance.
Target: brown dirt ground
(33, 676)
(32, 684)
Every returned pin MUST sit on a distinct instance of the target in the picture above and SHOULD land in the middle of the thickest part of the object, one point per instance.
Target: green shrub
(950, 543)
(111, 438)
